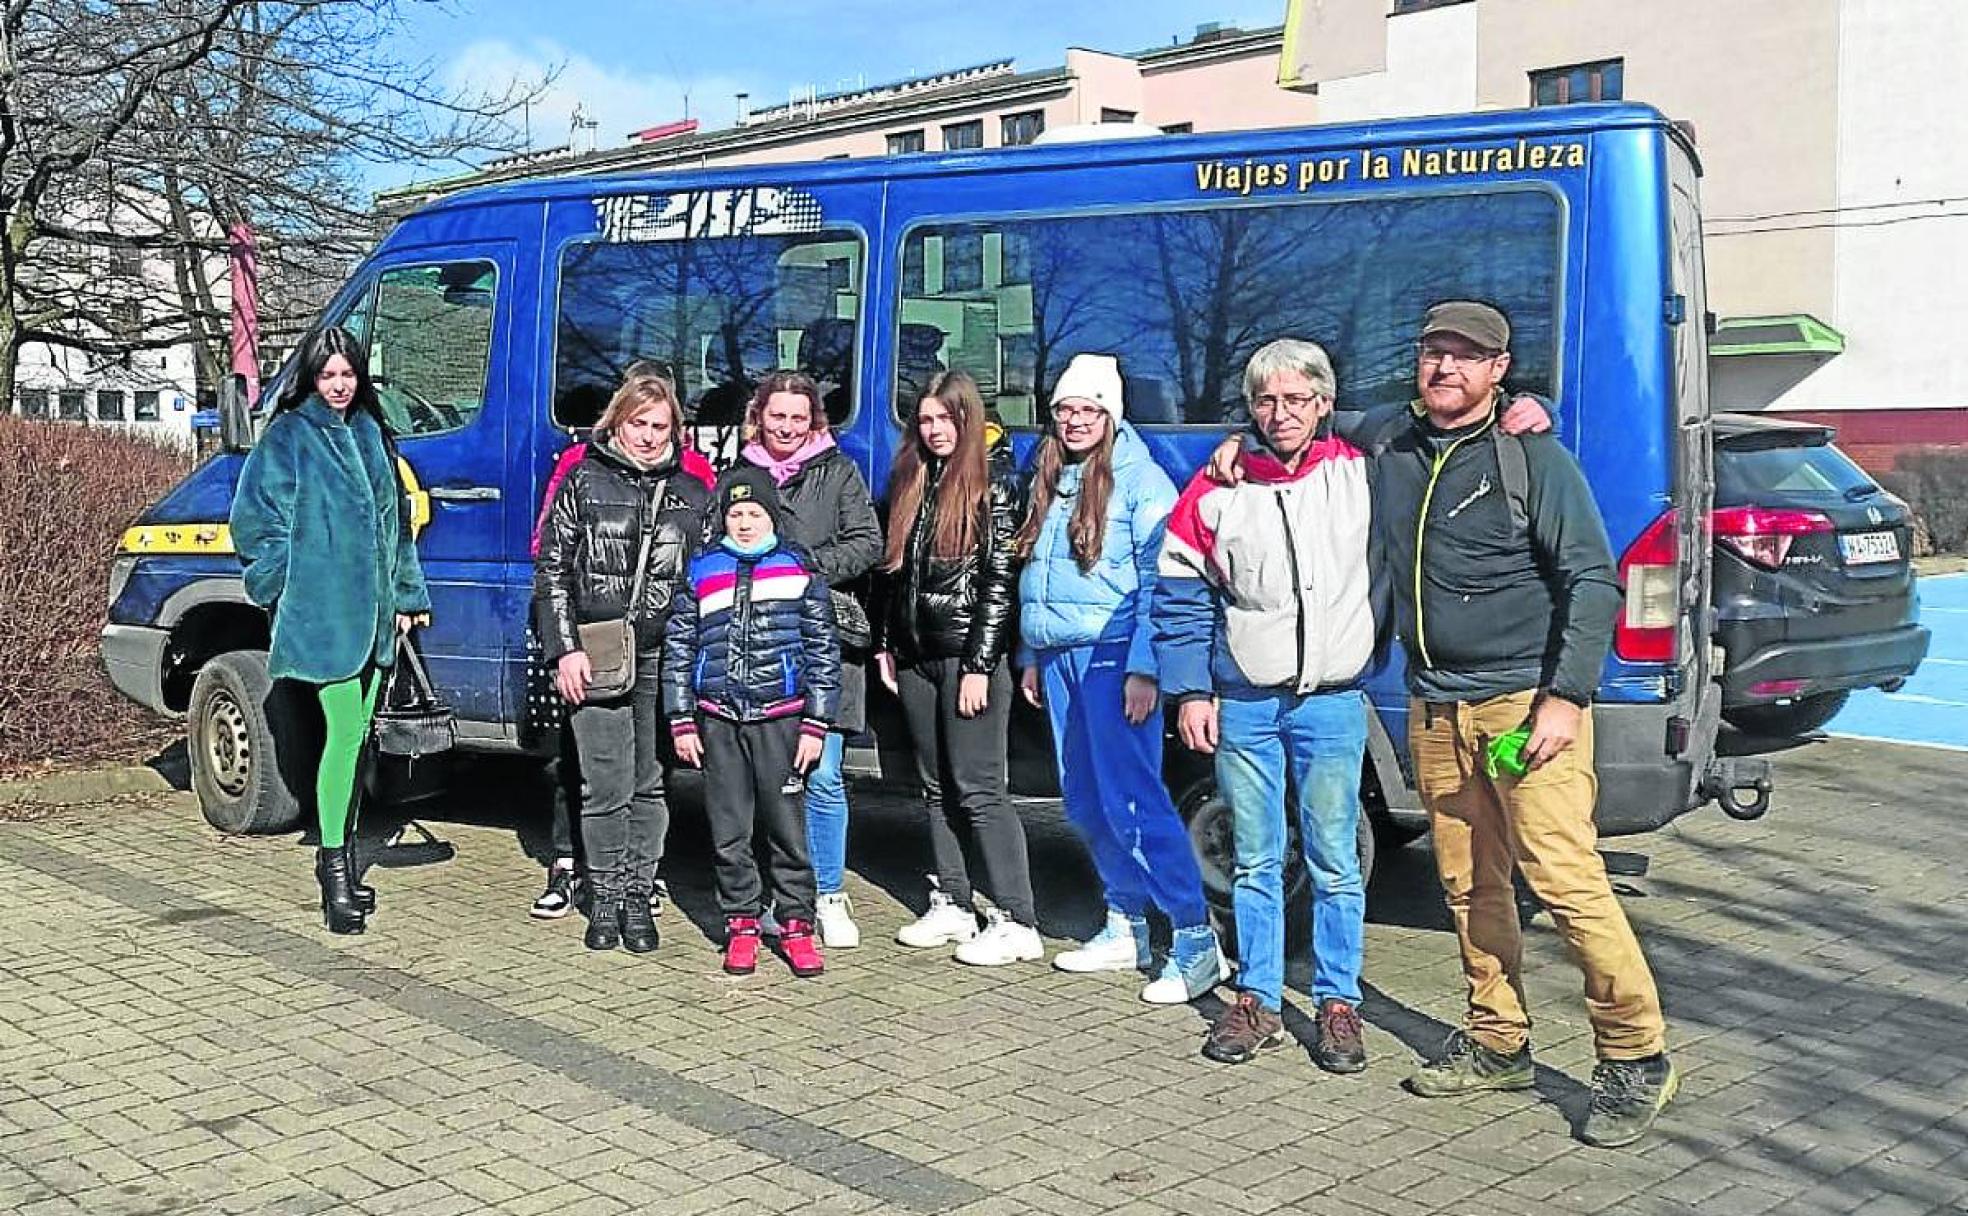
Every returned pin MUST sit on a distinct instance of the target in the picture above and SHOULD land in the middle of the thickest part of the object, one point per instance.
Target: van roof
(1539, 122)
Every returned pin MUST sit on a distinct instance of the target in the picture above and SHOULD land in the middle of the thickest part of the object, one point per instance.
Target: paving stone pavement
(178, 1034)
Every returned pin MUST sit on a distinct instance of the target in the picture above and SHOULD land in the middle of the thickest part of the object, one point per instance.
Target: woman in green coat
(320, 521)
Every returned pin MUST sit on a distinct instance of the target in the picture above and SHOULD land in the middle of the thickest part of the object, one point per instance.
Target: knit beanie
(749, 483)
(1095, 378)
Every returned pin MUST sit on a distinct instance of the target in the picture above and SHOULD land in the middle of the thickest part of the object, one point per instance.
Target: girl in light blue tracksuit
(1099, 504)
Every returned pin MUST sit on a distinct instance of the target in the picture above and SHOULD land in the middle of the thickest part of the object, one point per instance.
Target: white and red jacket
(1268, 586)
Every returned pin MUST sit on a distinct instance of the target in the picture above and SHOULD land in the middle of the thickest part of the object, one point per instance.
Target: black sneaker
(604, 925)
(558, 899)
(1466, 1067)
(1627, 1096)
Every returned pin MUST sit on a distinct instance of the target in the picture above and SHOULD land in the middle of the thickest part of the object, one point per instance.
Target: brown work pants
(1541, 823)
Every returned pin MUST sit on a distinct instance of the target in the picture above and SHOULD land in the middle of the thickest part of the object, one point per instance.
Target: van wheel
(235, 748)
(1799, 717)
(1207, 816)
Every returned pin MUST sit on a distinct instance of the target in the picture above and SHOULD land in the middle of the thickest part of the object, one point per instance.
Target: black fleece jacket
(1484, 607)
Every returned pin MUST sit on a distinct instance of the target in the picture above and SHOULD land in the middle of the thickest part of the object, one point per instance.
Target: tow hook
(1740, 785)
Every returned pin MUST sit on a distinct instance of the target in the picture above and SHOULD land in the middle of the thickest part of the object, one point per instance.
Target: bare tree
(134, 134)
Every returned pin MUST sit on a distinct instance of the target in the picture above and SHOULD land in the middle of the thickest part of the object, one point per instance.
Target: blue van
(499, 320)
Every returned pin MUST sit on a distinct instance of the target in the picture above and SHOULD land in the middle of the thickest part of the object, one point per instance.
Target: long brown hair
(1087, 530)
(960, 491)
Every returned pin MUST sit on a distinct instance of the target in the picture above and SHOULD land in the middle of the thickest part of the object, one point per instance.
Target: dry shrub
(1934, 481)
(67, 492)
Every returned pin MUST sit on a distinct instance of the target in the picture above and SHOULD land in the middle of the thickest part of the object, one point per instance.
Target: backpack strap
(1515, 471)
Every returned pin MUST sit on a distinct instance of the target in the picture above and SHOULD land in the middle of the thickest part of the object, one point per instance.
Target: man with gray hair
(1265, 619)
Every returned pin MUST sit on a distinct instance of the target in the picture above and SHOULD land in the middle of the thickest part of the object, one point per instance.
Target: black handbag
(411, 720)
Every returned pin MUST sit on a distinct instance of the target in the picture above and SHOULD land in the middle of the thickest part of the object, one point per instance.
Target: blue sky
(631, 64)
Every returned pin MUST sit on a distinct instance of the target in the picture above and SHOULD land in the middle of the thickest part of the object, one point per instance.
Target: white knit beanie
(1095, 378)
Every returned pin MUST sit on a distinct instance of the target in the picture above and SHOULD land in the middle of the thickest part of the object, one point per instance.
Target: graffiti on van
(692, 215)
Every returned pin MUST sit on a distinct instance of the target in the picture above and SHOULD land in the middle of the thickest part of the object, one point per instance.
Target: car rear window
(1787, 471)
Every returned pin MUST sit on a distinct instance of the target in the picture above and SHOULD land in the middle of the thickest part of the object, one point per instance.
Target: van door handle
(465, 493)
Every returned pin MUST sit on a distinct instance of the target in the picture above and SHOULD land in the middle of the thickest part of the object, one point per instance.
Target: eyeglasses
(1297, 403)
(1076, 415)
(1437, 355)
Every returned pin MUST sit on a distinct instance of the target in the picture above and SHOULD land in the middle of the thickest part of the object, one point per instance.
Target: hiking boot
(1195, 965)
(1121, 945)
(741, 945)
(944, 924)
(1244, 1028)
(1003, 941)
(604, 923)
(659, 894)
(1466, 1067)
(1342, 1043)
(1627, 1095)
(638, 927)
(801, 949)
(835, 912)
(558, 899)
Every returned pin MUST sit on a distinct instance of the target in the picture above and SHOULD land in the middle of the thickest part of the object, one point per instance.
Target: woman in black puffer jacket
(630, 484)
(944, 633)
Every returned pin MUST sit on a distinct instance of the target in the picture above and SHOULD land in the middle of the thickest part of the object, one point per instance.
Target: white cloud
(622, 100)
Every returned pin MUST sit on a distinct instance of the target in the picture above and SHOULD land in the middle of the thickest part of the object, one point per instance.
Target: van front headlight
(120, 569)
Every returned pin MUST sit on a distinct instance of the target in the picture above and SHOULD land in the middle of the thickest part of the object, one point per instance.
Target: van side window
(429, 333)
(718, 312)
(1185, 297)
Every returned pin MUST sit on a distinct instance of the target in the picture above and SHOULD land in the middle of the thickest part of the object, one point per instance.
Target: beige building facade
(1835, 151)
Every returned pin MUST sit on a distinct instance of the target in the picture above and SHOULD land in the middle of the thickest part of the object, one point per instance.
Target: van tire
(1799, 717)
(235, 746)
(1207, 818)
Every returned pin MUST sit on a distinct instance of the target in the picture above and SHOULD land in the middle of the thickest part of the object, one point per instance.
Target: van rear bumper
(134, 657)
(1641, 786)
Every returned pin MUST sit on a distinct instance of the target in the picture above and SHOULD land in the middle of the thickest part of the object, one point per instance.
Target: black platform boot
(604, 922)
(339, 911)
(365, 895)
(638, 925)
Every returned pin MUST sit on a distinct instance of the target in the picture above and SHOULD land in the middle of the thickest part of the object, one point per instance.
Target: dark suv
(1814, 594)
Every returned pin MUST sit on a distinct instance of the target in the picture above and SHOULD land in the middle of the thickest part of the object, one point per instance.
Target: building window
(1601, 81)
(1179, 128)
(146, 403)
(963, 262)
(903, 142)
(34, 403)
(109, 405)
(1110, 114)
(1023, 127)
(1416, 6)
(74, 405)
(959, 136)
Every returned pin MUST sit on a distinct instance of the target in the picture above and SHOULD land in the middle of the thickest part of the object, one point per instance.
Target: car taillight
(1650, 570)
(1764, 534)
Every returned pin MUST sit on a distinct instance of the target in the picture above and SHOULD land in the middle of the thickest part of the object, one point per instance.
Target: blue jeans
(1317, 742)
(1110, 777)
(826, 816)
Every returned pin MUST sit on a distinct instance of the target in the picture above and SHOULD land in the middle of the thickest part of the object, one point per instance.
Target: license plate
(1863, 548)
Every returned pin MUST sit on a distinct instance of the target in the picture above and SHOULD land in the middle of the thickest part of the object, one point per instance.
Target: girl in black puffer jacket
(629, 487)
(943, 635)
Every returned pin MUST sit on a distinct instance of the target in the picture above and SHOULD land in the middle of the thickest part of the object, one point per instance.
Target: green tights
(347, 706)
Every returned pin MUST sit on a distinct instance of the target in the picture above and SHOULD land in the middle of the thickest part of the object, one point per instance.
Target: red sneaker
(801, 948)
(741, 945)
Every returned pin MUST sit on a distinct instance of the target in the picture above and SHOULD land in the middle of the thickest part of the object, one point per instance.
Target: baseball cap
(1471, 319)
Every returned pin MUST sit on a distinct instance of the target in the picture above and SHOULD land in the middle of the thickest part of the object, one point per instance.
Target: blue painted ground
(1933, 707)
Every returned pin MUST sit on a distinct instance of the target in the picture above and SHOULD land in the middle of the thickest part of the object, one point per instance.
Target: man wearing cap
(1505, 593)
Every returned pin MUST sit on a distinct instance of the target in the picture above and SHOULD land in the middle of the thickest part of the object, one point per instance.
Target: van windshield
(1185, 297)
(716, 313)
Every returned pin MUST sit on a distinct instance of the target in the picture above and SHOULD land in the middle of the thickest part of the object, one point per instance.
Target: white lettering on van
(707, 214)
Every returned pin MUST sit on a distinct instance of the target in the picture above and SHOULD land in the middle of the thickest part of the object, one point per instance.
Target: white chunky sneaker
(836, 916)
(1122, 945)
(1195, 965)
(942, 925)
(1003, 941)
